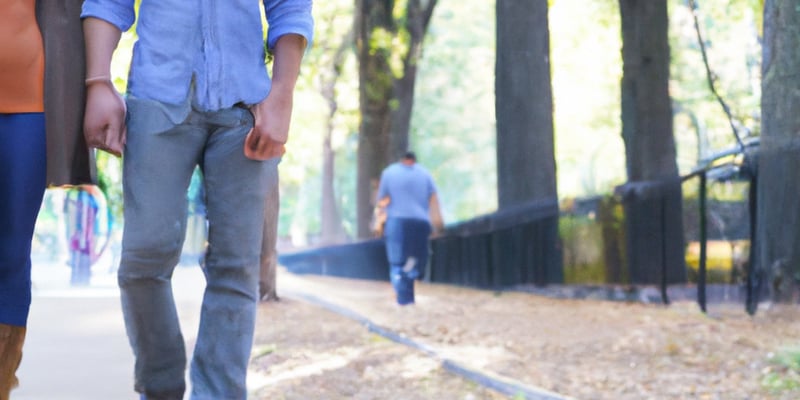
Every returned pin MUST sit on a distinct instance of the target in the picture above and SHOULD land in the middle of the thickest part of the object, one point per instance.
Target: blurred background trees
(383, 75)
(452, 124)
(389, 46)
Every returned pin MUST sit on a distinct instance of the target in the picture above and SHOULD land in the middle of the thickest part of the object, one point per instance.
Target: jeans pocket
(238, 116)
(153, 117)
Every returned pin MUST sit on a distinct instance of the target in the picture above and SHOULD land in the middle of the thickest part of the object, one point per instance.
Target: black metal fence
(515, 246)
(528, 244)
(359, 260)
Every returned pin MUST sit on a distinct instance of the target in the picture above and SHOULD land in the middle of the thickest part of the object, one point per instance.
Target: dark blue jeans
(407, 251)
(23, 156)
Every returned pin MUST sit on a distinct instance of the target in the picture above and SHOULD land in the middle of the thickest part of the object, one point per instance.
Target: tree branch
(710, 74)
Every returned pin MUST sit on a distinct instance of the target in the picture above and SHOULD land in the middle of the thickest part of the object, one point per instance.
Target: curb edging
(492, 381)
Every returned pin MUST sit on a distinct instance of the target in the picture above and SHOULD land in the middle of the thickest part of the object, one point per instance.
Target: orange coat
(21, 58)
(69, 160)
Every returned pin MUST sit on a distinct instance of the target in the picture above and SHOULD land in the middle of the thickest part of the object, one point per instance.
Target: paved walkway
(76, 348)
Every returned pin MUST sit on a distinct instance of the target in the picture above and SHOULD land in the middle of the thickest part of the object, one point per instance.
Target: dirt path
(306, 352)
(583, 349)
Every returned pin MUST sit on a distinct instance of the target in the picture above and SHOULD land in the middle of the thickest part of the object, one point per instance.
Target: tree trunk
(778, 197)
(526, 168)
(646, 109)
(652, 196)
(419, 13)
(386, 93)
(375, 90)
(331, 222)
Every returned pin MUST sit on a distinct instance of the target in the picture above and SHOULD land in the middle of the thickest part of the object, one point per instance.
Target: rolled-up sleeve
(289, 17)
(119, 13)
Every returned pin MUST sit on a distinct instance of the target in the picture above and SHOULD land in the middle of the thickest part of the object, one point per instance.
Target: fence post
(664, 267)
(753, 285)
(701, 268)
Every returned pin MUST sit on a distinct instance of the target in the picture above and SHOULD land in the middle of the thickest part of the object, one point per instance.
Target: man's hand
(273, 114)
(435, 212)
(104, 119)
(270, 130)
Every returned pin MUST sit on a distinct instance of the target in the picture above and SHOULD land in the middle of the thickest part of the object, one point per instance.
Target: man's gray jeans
(164, 143)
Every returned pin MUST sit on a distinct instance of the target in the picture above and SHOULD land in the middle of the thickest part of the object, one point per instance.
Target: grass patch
(263, 350)
(783, 373)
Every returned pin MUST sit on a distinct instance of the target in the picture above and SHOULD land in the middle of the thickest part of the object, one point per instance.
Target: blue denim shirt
(213, 49)
(409, 188)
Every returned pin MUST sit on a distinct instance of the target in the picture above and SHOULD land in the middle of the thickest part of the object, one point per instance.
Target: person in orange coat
(41, 56)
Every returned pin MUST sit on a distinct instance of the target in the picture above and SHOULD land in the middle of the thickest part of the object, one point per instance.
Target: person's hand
(270, 130)
(104, 118)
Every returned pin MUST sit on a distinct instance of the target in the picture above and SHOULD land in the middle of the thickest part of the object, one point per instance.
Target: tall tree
(323, 67)
(333, 45)
(389, 38)
(653, 192)
(331, 222)
(526, 168)
(778, 197)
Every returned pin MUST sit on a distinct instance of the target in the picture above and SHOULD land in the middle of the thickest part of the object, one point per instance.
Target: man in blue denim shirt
(198, 94)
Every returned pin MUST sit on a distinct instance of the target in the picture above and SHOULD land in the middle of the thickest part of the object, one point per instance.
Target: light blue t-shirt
(217, 44)
(409, 188)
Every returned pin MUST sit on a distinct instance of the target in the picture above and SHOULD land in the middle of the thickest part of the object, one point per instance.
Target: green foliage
(301, 167)
(109, 177)
(583, 235)
(263, 350)
(453, 121)
(731, 31)
(380, 41)
(452, 125)
(586, 73)
(399, 10)
(783, 376)
(729, 190)
(582, 249)
(393, 46)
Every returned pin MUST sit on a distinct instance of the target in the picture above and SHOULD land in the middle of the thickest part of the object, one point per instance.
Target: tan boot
(11, 340)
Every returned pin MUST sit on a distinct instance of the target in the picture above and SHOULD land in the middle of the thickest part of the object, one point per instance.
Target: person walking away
(198, 94)
(41, 145)
(407, 196)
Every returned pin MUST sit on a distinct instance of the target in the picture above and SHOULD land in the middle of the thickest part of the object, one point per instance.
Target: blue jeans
(163, 146)
(407, 252)
(22, 181)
